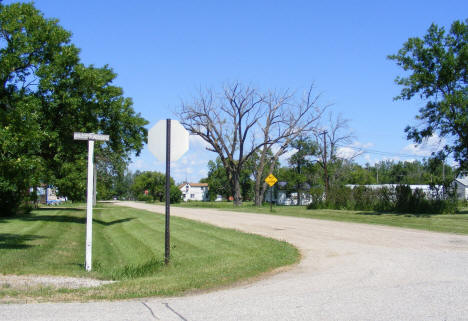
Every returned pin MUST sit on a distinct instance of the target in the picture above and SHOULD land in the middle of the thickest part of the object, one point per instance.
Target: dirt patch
(58, 282)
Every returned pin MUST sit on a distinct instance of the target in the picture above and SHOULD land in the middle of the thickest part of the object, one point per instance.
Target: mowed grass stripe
(128, 245)
(51, 234)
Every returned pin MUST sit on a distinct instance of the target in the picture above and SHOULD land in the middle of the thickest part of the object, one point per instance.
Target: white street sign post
(90, 137)
(177, 143)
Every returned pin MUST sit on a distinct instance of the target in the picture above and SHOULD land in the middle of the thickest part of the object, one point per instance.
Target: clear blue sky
(163, 51)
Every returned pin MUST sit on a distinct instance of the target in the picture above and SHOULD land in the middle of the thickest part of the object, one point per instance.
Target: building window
(192, 195)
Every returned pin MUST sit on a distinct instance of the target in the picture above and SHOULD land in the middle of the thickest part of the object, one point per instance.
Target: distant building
(48, 195)
(282, 198)
(431, 193)
(194, 191)
(462, 187)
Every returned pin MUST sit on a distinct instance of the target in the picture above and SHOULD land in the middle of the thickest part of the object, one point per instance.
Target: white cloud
(137, 165)
(347, 152)
(353, 150)
(358, 144)
(285, 157)
(431, 145)
(196, 142)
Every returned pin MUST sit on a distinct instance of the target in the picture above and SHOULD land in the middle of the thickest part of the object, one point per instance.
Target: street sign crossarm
(90, 136)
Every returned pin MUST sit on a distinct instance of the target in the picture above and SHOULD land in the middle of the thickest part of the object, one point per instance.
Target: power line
(383, 153)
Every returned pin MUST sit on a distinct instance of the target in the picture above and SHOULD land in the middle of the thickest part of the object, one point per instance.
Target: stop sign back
(157, 140)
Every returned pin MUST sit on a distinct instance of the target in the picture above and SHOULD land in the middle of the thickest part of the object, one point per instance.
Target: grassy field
(128, 246)
(449, 223)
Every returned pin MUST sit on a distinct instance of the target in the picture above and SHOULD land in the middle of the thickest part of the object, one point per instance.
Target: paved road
(348, 272)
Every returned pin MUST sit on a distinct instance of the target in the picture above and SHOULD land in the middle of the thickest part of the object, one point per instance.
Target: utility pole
(377, 167)
(325, 170)
(443, 171)
(299, 161)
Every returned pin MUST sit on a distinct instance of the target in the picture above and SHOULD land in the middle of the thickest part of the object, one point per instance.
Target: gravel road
(348, 272)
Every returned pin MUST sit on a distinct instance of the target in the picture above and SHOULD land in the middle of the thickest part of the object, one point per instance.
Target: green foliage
(155, 184)
(438, 64)
(45, 95)
(144, 198)
(400, 199)
(301, 163)
(175, 195)
(430, 171)
(339, 197)
(219, 183)
(384, 200)
(364, 198)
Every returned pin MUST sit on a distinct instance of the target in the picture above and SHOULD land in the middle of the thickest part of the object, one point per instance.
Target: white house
(194, 191)
(462, 187)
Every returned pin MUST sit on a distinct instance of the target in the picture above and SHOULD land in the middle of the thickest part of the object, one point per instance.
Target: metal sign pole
(271, 198)
(89, 206)
(167, 252)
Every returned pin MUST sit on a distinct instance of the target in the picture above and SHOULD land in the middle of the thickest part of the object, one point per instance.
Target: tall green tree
(437, 66)
(301, 162)
(45, 95)
(155, 184)
(217, 180)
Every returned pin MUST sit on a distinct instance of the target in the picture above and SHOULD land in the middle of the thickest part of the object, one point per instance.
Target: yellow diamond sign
(271, 180)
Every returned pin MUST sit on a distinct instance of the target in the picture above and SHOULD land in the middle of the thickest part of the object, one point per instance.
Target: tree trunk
(259, 194)
(259, 190)
(236, 189)
(264, 185)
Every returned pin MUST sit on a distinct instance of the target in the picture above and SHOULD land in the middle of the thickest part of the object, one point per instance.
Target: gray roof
(463, 180)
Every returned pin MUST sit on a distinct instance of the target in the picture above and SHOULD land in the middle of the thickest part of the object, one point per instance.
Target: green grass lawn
(450, 223)
(128, 246)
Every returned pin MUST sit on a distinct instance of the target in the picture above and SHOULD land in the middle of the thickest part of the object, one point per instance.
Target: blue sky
(164, 51)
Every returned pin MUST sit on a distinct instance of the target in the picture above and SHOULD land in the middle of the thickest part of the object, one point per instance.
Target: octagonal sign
(157, 140)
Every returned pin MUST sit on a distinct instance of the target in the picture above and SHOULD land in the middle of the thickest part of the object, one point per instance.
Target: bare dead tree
(242, 121)
(285, 122)
(330, 138)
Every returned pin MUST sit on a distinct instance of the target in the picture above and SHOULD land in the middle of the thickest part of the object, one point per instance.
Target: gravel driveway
(348, 272)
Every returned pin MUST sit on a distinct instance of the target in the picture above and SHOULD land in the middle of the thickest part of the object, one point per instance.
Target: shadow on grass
(52, 218)
(67, 219)
(15, 241)
(123, 220)
(68, 209)
(375, 213)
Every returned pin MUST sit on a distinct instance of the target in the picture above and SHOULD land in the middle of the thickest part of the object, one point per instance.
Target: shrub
(400, 199)
(364, 198)
(317, 198)
(175, 194)
(144, 198)
(340, 197)
(385, 199)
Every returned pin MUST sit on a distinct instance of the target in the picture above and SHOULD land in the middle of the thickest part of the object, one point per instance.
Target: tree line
(46, 94)
(250, 129)
(303, 172)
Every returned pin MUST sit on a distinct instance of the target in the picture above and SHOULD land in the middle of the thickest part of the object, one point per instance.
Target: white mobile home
(462, 187)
